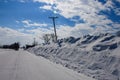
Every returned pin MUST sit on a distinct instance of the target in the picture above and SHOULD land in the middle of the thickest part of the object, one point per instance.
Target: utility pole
(53, 18)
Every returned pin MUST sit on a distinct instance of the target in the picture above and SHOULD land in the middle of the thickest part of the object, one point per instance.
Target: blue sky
(29, 18)
(13, 11)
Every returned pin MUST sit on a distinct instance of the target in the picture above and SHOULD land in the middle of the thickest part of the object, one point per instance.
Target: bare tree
(53, 38)
(46, 38)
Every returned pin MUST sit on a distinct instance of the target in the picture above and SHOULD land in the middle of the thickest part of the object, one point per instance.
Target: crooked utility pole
(53, 18)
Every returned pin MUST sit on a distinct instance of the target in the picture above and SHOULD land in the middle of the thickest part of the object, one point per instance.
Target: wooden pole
(53, 18)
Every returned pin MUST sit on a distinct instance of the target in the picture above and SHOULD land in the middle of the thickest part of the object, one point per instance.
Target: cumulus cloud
(82, 8)
(39, 32)
(47, 7)
(87, 10)
(76, 31)
(63, 31)
(29, 23)
(118, 1)
(45, 1)
(117, 11)
(21, 29)
(9, 36)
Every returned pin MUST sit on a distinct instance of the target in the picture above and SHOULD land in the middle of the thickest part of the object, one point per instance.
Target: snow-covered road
(22, 65)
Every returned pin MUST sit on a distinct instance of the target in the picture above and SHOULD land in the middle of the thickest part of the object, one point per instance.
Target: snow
(95, 56)
(22, 65)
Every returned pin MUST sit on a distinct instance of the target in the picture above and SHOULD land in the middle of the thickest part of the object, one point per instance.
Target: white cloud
(17, 21)
(45, 1)
(9, 36)
(87, 10)
(21, 30)
(63, 31)
(118, 1)
(47, 7)
(117, 11)
(29, 23)
(39, 32)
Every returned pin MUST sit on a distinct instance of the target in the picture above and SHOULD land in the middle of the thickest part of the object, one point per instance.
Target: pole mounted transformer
(53, 19)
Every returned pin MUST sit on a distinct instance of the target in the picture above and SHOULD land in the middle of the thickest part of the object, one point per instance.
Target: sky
(23, 20)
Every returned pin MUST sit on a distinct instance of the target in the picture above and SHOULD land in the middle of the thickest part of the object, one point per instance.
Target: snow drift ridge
(94, 55)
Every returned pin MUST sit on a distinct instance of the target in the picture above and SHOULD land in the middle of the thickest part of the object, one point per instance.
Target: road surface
(22, 65)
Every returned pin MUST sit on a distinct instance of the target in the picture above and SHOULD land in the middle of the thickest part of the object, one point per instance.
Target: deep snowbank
(97, 56)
